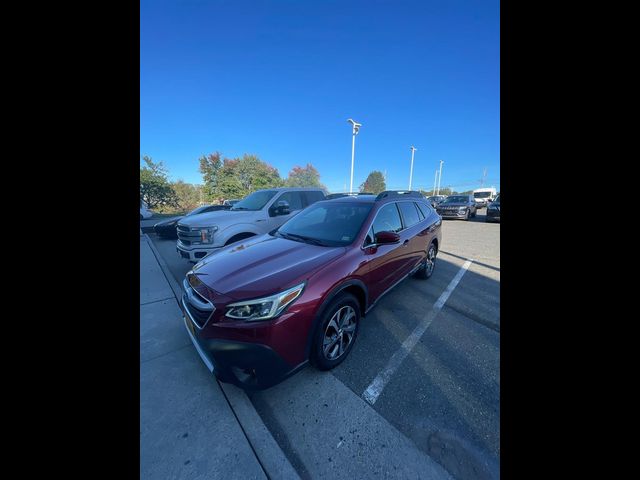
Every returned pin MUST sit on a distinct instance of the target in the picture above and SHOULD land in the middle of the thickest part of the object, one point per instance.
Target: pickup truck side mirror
(280, 208)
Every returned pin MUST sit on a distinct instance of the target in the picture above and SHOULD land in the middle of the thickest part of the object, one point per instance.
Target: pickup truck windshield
(255, 201)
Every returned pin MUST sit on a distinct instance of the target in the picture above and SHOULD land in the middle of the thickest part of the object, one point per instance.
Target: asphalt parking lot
(442, 392)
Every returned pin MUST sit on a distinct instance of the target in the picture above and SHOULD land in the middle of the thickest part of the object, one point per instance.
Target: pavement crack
(156, 301)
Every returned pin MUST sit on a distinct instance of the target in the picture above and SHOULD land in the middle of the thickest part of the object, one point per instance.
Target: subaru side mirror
(387, 237)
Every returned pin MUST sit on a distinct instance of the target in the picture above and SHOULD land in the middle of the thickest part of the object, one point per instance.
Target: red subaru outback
(258, 310)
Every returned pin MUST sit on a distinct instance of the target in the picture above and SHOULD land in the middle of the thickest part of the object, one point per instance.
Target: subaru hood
(261, 266)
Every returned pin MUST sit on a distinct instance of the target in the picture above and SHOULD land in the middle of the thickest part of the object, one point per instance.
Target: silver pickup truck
(259, 212)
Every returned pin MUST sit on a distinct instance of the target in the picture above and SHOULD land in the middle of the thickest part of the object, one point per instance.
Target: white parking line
(374, 390)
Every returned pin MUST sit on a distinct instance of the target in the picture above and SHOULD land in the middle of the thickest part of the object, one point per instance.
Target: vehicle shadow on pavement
(445, 397)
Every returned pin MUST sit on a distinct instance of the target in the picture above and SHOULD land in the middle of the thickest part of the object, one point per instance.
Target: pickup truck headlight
(206, 234)
(264, 308)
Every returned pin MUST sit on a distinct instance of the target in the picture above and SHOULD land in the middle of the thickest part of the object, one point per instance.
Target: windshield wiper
(293, 236)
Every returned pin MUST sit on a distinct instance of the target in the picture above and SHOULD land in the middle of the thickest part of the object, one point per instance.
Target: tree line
(234, 178)
(223, 179)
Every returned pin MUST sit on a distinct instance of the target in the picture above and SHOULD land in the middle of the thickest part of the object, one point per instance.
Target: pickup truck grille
(187, 236)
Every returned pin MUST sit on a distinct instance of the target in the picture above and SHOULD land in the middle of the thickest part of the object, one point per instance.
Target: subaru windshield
(255, 201)
(327, 224)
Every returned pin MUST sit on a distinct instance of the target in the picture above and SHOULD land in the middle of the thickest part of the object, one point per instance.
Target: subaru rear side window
(420, 214)
(388, 219)
(294, 199)
(409, 213)
(314, 196)
(424, 209)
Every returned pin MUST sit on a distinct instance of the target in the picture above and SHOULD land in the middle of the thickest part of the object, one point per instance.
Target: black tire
(474, 213)
(429, 264)
(347, 304)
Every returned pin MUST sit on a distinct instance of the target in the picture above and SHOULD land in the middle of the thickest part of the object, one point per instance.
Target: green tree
(155, 189)
(304, 177)
(209, 168)
(374, 183)
(188, 195)
(240, 176)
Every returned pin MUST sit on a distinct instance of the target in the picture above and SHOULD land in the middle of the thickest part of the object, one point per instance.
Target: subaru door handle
(405, 243)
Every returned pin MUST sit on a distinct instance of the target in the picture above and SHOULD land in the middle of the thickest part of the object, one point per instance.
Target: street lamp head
(356, 125)
(413, 148)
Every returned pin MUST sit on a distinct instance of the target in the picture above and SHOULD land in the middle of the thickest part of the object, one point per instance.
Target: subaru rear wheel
(426, 269)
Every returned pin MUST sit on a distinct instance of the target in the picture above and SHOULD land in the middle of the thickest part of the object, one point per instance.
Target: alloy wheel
(430, 262)
(339, 333)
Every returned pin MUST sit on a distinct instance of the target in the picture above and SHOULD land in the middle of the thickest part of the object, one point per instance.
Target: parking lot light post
(435, 179)
(440, 177)
(356, 127)
(413, 151)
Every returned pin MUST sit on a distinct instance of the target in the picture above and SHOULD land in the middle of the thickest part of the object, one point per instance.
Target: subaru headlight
(264, 308)
(206, 234)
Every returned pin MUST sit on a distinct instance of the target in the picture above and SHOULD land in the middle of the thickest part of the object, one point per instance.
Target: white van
(145, 213)
(483, 196)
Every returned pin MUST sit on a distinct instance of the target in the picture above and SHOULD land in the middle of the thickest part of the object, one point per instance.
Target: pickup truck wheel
(336, 332)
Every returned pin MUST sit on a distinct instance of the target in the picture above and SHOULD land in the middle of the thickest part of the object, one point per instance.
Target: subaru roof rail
(398, 193)
(347, 194)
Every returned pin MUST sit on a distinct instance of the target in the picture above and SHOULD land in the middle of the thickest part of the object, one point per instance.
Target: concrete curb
(269, 454)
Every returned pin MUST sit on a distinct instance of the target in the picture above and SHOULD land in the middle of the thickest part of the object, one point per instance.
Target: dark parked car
(493, 211)
(260, 309)
(436, 199)
(457, 206)
(168, 228)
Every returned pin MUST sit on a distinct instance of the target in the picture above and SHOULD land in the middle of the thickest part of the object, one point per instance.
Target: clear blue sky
(279, 79)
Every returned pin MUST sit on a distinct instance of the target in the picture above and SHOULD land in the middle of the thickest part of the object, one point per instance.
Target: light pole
(413, 151)
(435, 179)
(440, 177)
(356, 127)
